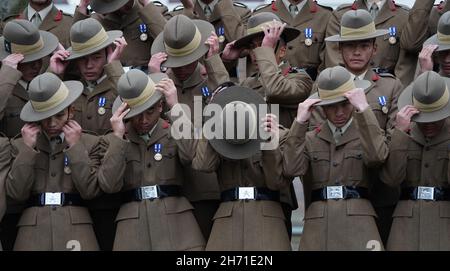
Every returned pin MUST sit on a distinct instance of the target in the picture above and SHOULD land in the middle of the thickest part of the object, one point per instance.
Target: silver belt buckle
(335, 192)
(425, 193)
(246, 193)
(53, 198)
(149, 192)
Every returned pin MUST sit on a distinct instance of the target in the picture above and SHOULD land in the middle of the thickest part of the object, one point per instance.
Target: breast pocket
(320, 165)
(414, 165)
(312, 51)
(441, 166)
(133, 171)
(381, 117)
(354, 164)
(169, 164)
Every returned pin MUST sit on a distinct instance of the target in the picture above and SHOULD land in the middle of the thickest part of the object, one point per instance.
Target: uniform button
(290, 47)
(53, 174)
(148, 148)
(89, 117)
(53, 157)
(426, 165)
(149, 165)
(54, 208)
(335, 164)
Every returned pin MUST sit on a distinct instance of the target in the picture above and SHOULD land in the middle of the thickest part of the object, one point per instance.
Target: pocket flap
(175, 205)
(128, 211)
(272, 209)
(315, 210)
(224, 210)
(360, 207)
(404, 209)
(320, 156)
(353, 154)
(29, 217)
(79, 215)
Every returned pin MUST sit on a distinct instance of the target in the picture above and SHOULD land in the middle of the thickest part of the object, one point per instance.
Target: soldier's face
(145, 121)
(91, 66)
(53, 125)
(444, 61)
(358, 54)
(30, 70)
(431, 129)
(339, 114)
(184, 72)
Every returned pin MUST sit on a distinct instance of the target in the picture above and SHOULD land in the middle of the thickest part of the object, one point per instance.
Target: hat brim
(364, 84)
(406, 98)
(338, 38)
(434, 40)
(224, 147)
(105, 8)
(205, 29)
(28, 114)
(157, 96)
(288, 34)
(112, 36)
(50, 44)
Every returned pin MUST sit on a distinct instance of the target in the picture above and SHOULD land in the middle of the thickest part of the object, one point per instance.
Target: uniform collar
(335, 131)
(24, 84)
(444, 135)
(211, 5)
(380, 3)
(361, 76)
(299, 5)
(43, 13)
(146, 137)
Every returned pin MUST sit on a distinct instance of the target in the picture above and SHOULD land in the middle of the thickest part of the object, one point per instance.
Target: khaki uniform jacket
(436, 14)
(161, 224)
(398, 61)
(246, 225)
(200, 185)
(337, 224)
(414, 161)
(227, 14)
(311, 16)
(5, 160)
(87, 105)
(41, 170)
(137, 52)
(14, 97)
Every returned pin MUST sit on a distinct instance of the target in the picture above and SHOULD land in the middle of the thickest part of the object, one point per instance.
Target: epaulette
(11, 17)
(383, 72)
(325, 7)
(344, 6)
(157, 3)
(178, 8)
(67, 14)
(239, 4)
(404, 7)
(261, 7)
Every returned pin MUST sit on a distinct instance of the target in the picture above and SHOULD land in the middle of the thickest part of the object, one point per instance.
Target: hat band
(27, 49)
(443, 38)
(60, 96)
(93, 42)
(437, 105)
(338, 92)
(361, 32)
(188, 49)
(148, 92)
(257, 29)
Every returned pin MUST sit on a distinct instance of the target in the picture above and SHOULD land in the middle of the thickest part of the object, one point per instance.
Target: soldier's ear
(71, 112)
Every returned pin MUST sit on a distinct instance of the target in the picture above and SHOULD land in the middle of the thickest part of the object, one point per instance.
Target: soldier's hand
(304, 110)
(213, 42)
(230, 53)
(116, 120)
(144, 2)
(154, 65)
(12, 60)
(270, 125)
(29, 132)
(187, 4)
(72, 132)
(120, 44)
(58, 63)
(426, 57)
(83, 6)
(357, 98)
(403, 119)
(272, 33)
(168, 89)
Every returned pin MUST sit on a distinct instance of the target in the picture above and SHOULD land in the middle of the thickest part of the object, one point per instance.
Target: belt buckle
(335, 192)
(149, 192)
(246, 193)
(53, 198)
(425, 193)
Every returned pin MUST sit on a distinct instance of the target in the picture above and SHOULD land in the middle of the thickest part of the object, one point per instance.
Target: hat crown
(84, 30)
(261, 18)
(333, 78)
(356, 18)
(179, 31)
(444, 24)
(21, 32)
(43, 87)
(239, 122)
(132, 84)
(429, 87)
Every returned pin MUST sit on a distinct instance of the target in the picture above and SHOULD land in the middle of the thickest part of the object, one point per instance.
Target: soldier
(54, 169)
(183, 43)
(19, 66)
(140, 21)
(418, 161)
(307, 50)
(250, 216)
(143, 160)
(228, 17)
(5, 160)
(338, 154)
(436, 14)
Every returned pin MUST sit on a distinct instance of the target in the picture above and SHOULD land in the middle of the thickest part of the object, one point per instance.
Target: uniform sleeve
(398, 88)
(272, 165)
(21, 176)
(332, 56)
(233, 23)
(295, 160)
(415, 32)
(393, 171)
(5, 162)
(113, 72)
(217, 73)
(152, 17)
(372, 137)
(78, 16)
(291, 89)
(8, 80)
(206, 158)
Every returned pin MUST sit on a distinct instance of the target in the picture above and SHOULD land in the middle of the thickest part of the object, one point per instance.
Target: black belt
(348, 192)
(43, 199)
(425, 193)
(151, 193)
(259, 193)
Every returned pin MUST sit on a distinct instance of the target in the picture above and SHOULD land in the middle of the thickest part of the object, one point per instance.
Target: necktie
(55, 141)
(90, 86)
(374, 10)
(207, 10)
(337, 134)
(293, 9)
(36, 20)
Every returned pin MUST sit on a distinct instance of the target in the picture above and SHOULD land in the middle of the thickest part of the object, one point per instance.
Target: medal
(221, 34)
(382, 102)
(157, 149)
(67, 169)
(101, 106)
(308, 36)
(392, 35)
(143, 30)
(205, 91)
